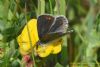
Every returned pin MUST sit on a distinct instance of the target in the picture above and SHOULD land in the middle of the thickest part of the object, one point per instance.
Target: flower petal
(23, 38)
(57, 47)
(45, 50)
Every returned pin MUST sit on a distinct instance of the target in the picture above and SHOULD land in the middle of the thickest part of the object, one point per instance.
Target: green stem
(29, 37)
(51, 10)
(41, 7)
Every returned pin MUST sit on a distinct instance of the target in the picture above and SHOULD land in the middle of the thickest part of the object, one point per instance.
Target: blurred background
(80, 48)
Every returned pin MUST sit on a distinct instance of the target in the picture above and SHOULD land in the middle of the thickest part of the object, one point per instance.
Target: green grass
(79, 47)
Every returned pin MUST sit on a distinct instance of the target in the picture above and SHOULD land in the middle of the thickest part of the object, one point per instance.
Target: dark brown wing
(52, 29)
(44, 23)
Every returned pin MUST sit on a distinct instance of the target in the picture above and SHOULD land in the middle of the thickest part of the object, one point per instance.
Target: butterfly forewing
(44, 23)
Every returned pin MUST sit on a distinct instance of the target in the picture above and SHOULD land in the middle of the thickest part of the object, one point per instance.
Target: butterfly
(45, 35)
(51, 27)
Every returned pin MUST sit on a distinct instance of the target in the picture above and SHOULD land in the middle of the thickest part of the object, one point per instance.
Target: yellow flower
(42, 51)
(51, 48)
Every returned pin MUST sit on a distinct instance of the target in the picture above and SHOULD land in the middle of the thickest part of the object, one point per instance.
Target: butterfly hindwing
(60, 25)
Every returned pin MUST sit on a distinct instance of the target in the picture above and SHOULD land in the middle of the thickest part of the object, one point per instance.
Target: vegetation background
(81, 48)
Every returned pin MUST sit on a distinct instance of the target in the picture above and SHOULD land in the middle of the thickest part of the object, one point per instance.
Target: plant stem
(29, 37)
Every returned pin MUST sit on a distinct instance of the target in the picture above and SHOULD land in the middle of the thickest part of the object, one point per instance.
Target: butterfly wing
(60, 25)
(44, 23)
(56, 27)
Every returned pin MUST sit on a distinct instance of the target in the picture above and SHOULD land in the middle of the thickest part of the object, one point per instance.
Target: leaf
(51, 9)
(13, 31)
(61, 7)
(98, 23)
(63, 57)
(15, 63)
(58, 65)
(41, 7)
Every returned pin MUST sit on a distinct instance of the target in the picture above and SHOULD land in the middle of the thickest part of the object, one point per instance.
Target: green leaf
(41, 7)
(61, 6)
(63, 56)
(58, 65)
(15, 63)
(98, 23)
(13, 31)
